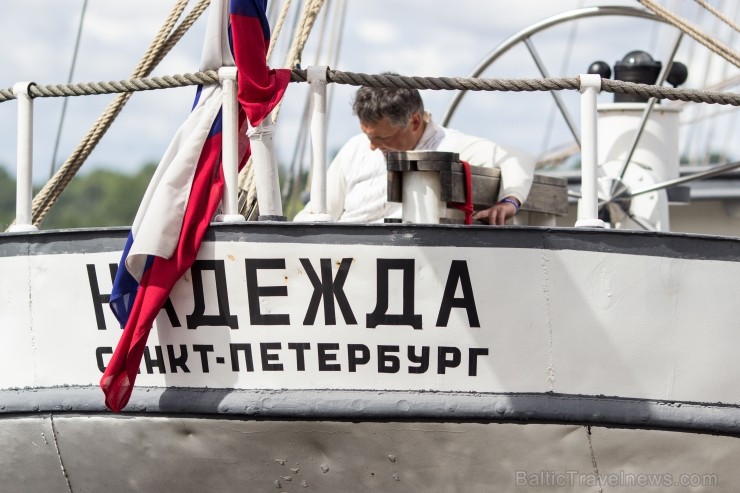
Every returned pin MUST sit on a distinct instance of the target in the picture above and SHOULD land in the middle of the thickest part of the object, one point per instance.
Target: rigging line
(709, 128)
(730, 133)
(298, 154)
(301, 6)
(301, 145)
(323, 22)
(46, 198)
(338, 32)
(335, 44)
(275, 35)
(717, 13)
(271, 13)
(730, 128)
(309, 13)
(688, 142)
(72, 66)
(716, 46)
(339, 10)
(715, 113)
(247, 191)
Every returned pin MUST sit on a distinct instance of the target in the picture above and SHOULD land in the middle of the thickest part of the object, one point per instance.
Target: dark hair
(372, 104)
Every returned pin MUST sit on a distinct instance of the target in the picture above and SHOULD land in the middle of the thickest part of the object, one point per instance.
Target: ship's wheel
(633, 194)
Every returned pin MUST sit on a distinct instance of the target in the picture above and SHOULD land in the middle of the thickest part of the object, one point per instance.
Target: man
(395, 120)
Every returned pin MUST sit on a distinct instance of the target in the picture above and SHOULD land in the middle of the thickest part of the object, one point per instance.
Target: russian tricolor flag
(188, 184)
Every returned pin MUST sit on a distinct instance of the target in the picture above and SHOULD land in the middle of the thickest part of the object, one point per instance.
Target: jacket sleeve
(517, 172)
(517, 167)
(336, 186)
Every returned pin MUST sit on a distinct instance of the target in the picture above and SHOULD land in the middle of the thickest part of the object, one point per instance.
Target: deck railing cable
(42, 203)
(382, 80)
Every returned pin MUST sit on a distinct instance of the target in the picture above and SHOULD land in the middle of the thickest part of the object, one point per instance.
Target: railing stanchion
(588, 205)
(230, 146)
(24, 190)
(316, 209)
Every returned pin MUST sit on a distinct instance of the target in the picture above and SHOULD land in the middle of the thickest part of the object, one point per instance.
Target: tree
(7, 199)
(100, 198)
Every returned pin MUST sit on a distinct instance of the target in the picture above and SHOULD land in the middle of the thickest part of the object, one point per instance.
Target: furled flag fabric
(187, 186)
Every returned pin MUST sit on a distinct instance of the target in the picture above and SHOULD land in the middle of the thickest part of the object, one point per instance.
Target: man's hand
(497, 214)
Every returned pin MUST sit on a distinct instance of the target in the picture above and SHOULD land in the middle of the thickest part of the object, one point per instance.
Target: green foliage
(292, 203)
(108, 198)
(100, 198)
(7, 199)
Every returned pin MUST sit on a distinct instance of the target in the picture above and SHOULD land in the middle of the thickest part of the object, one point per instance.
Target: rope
(522, 85)
(51, 191)
(161, 45)
(278, 27)
(718, 14)
(414, 82)
(311, 11)
(452, 83)
(717, 47)
(674, 94)
(123, 86)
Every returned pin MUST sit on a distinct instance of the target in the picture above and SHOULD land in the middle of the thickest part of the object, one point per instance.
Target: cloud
(412, 37)
(377, 32)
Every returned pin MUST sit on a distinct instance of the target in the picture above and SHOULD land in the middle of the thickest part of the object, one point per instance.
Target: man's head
(393, 119)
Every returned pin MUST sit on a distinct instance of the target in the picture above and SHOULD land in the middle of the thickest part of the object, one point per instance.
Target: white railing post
(316, 210)
(24, 190)
(266, 177)
(229, 146)
(588, 205)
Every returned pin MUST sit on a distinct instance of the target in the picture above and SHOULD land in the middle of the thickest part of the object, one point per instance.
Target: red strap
(467, 207)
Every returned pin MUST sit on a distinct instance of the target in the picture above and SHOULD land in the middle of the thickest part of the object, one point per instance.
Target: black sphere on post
(678, 74)
(602, 69)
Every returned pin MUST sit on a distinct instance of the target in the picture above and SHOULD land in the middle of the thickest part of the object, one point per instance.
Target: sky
(409, 37)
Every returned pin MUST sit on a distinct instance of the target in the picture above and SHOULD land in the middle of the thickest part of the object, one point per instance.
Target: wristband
(510, 201)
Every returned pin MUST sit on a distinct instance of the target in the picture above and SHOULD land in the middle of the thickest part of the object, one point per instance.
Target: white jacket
(357, 177)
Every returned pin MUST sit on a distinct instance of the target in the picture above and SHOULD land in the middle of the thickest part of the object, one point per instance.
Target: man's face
(385, 136)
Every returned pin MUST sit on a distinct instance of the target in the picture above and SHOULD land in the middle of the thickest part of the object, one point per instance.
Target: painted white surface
(564, 321)
(657, 149)
(17, 358)
(655, 159)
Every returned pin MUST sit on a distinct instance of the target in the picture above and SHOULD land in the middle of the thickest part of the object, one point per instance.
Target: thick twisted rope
(451, 83)
(400, 81)
(525, 85)
(122, 86)
(162, 43)
(721, 49)
(674, 94)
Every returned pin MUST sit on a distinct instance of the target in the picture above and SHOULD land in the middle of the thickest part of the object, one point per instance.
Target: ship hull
(391, 357)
